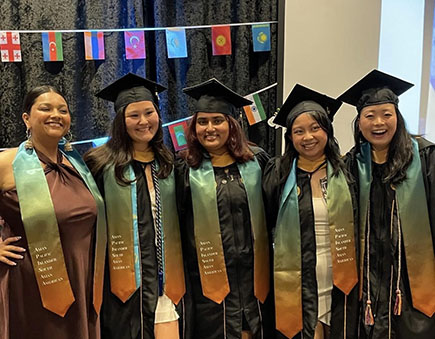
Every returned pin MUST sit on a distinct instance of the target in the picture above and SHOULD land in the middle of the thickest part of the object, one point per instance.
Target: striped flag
(255, 112)
(52, 46)
(134, 45)
(94, 45)
(10, 47)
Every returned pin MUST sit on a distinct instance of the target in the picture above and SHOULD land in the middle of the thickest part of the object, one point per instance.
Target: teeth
(379, 132)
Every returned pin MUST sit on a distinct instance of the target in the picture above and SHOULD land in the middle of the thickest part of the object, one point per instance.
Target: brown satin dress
(21, 313)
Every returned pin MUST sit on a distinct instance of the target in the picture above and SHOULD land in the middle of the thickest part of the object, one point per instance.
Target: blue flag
(99, 141)
(176, 43)
(261, 37)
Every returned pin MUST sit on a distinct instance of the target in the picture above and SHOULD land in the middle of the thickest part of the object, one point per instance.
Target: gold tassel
(29, 143)
(68, 147)
(398, 303)
(369, 320)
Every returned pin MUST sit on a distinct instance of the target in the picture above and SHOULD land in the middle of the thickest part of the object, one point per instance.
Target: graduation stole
(123, 234)
(208, 241)
(415, 225)
(287, 251)
(42, 231)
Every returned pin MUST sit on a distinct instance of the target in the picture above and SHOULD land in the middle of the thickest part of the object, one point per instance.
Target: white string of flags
(134, 41)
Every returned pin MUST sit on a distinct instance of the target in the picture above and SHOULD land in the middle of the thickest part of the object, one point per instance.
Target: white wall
(401, 51)
(329, 45)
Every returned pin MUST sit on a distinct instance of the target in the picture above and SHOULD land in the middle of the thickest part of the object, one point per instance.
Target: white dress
(324, 263)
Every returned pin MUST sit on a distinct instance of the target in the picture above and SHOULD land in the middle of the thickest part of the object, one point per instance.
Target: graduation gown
(342, 307)
(240, 310)
(384, 252)
(134, 319)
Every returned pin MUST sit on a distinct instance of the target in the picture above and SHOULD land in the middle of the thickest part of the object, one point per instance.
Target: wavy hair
(399, 151)
(118, 151)
(237, 143)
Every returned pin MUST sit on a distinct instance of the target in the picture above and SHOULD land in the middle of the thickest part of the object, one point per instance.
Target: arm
(7, 250)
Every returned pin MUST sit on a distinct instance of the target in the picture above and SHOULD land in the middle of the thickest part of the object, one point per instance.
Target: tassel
(68, 147)
(398, 303)
(369, 320)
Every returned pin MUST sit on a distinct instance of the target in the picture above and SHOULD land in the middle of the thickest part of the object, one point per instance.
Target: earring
(68, 147)
(29, 143)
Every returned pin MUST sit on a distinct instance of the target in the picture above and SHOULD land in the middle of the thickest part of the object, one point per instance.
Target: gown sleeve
(427, 156)
(272, 189)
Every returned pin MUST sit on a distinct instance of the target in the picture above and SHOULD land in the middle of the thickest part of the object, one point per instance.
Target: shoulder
(274, 166)
(6, 172)
(426, 151)
(8, 155)
(260, 154)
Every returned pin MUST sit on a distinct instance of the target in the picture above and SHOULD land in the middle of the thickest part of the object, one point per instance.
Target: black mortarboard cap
(214, 97)
(375, 88)
(303, 99)
(131, 88)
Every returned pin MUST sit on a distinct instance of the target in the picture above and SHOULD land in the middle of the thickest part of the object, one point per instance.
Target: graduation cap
(214, 97)
(303, 99)
(131, 88)
(375, 88)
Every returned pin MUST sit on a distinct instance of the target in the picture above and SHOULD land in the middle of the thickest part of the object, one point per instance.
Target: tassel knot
(369, 319)
(398, 303)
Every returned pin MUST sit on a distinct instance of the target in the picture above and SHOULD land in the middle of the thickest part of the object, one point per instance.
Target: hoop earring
(29, 143)
(68, 147)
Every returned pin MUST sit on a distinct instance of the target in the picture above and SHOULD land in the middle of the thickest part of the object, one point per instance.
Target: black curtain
(244, 71)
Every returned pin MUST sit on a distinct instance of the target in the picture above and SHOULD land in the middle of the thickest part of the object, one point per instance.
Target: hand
(7, 251)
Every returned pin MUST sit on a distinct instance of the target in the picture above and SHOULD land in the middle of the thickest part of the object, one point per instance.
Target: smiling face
(49, 117)
(142, 123)
(378, 125)
(212, 131)
(308, 138)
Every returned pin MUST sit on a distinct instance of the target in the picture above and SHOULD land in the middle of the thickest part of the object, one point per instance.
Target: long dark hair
(399, 151)
(35, 92)
(237, 144)
(332, 150)
(118, 151)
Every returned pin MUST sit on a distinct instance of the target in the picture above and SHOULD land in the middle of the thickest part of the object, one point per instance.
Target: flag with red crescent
(52, 46)
(134, 45)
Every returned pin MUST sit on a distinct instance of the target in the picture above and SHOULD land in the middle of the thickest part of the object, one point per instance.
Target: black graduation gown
(383, 244)
(240, 309)
(275, 177)
(124, 320)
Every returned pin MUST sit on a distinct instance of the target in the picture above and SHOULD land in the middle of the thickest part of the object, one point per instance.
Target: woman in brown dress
(53, 235)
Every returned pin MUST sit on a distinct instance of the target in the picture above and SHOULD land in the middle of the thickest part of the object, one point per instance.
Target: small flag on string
(10, 47)
(255, 112)
(221, 40)
(99, 141)
(52, 46)
(94, 45)
(178, 135)
(134, 45)
(176, 43)
(261, 37)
